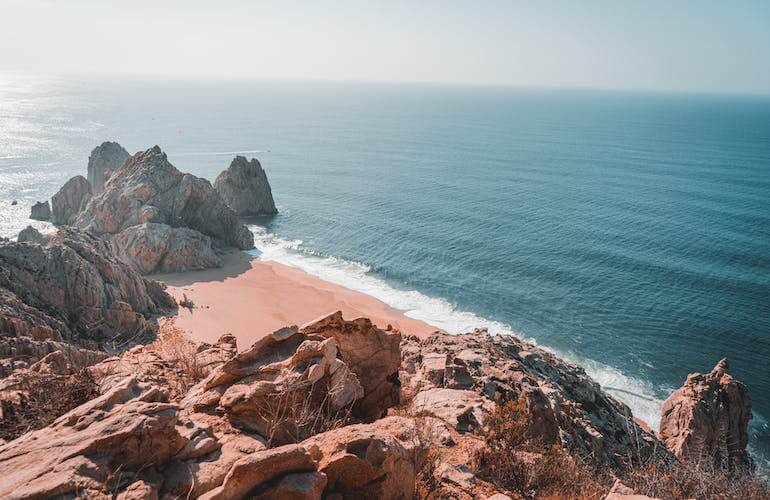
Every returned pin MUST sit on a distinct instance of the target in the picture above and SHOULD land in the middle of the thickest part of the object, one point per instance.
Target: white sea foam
(640, 395)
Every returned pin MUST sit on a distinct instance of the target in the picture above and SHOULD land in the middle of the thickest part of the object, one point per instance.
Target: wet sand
(250, 298)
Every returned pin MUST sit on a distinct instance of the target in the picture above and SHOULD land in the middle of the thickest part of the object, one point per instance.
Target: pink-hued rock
(70, 200)
(159, 248)
(148, 188)
(264, 388)
(620, 491)
(377, 460)
(374, 355)
(707, 419)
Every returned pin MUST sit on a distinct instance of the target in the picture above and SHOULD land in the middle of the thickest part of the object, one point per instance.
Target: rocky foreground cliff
(342, 409)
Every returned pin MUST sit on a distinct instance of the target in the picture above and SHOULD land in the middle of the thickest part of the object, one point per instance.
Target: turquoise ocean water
(627, 232)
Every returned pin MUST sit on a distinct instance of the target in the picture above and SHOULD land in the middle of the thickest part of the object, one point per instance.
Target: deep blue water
(629, 232)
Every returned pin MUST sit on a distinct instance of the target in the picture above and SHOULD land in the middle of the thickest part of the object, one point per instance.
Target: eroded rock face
(104, 160)
(377, 460)
(245, 188)
(708, 419)
(148, 188)
(266, 388)
(70, 200)
(374, 355)
(40, 211)
(458, 378)
(131, 425)
(158, 248)
(75, 286)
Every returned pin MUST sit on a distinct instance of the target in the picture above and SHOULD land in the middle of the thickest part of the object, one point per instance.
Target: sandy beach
(251, 298)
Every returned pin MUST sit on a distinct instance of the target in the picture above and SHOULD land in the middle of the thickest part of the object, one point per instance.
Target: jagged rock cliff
(70, 200)
(707, 419)
(148, 188)
(104, 160)
(74, 286)
(245, 188)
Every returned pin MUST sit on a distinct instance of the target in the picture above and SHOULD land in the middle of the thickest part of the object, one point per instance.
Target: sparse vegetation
(296, 414)
(175, 347)
(187, 303)
(43, 400)
(514, 462)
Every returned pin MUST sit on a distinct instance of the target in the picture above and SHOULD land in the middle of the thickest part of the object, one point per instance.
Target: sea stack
(41, 211)
(104, 160)
(71, 199)
(708, 418)
(245, 188)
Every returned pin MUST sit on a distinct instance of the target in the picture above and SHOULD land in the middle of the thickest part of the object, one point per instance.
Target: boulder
(286, 386)
(76, 286)
(152, 248)
(31, 235)
(620, 491)
(245, 188)
(148, 188)
(104, 160)
(70, 200)
(130, 427)
(40, 211)
(708, 418)
(463, 410)
(257, 469)
(377, 460)
(374, 355)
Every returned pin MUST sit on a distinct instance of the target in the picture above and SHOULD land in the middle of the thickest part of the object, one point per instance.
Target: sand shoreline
(251, 298)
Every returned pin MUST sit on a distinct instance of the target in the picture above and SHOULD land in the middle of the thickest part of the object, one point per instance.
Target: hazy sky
(703, 45)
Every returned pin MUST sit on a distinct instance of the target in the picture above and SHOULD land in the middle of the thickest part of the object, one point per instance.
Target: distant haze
(709, 46)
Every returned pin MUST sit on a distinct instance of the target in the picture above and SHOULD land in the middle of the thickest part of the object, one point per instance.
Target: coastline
(251, 298)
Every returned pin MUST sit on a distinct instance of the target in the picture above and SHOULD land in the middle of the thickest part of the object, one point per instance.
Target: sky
(672, 45)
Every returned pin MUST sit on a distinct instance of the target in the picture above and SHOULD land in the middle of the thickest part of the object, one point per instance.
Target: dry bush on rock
(43, 400)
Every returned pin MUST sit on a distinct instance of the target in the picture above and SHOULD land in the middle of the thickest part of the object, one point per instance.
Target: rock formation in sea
(148, 188)
(70, 200)
(40, 211)
(104, 160)
(31, 235)
(73, 287)
(707, 419)
(245, 188)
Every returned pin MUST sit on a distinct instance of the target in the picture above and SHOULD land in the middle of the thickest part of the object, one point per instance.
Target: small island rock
(41, 211)
(245, 188)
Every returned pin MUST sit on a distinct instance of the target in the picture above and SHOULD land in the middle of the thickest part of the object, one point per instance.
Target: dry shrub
(695, 479)
(173, 345)
(187, 303)
(302, 411)
(513, 461)
(44, 400)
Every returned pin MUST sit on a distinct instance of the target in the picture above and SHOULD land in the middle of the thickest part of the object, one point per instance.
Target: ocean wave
(640, 395)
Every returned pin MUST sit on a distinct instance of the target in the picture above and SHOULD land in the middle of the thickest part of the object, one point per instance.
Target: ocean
(628, 232)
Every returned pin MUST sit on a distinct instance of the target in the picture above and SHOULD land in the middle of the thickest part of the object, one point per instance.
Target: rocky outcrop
(104, 160)
(75, 286)
(151, 247)
(377, 460)
(707, 419)
(245, 188)
(40, 211)
(374, 355)
(459, 378)
(268, 388)
(70, 200)
(148, 188)
(31, 235)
